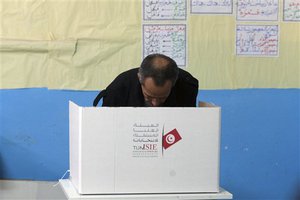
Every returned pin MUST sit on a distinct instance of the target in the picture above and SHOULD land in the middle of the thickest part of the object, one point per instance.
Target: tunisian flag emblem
(171, 138)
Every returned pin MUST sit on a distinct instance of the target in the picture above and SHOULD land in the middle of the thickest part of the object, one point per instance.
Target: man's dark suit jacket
(126, 90)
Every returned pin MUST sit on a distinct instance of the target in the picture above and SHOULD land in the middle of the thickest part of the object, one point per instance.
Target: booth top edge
(201, 104)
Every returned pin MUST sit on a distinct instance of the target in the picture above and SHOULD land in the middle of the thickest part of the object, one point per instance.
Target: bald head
(160, 68)
(160, 62)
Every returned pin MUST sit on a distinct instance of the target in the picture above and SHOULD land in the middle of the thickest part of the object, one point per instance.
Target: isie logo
(150, 140)
(171, 138)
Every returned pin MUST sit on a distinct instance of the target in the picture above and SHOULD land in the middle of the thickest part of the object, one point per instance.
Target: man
(157, 82)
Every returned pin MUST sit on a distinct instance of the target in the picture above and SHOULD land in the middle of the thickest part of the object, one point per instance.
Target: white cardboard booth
(127, 150)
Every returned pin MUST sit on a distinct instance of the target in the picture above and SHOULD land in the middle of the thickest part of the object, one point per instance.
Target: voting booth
(157, 150)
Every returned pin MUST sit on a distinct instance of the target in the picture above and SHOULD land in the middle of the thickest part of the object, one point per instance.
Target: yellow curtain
(84, 44)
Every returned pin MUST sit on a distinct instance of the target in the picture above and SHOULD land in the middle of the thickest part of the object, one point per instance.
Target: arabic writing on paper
(257, 40)
(146, 140)
(166, 39)
(211, 6)
(291, 10)
(257, 10)
(164, 9)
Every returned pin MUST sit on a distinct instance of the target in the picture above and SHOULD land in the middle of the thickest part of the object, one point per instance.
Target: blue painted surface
(260, 153)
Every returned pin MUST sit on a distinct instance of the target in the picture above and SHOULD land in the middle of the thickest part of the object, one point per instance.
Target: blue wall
(260, 155)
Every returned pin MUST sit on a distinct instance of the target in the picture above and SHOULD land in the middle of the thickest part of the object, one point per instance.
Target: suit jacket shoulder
(186, 89)
(124, 90)
(187, 78)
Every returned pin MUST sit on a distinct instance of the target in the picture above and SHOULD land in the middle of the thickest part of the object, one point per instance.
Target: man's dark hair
(159, 67)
